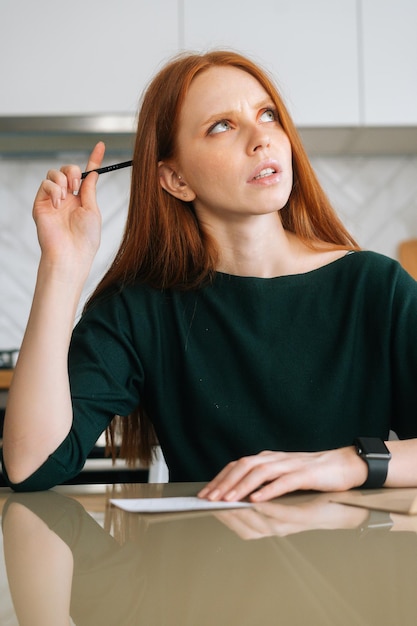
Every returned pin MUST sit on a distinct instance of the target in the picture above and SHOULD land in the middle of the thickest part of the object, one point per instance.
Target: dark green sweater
(304, 362)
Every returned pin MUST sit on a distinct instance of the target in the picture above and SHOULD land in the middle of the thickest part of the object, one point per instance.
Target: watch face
(373, 448)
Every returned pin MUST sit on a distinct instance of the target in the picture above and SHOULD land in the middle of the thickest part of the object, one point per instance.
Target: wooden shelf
(5, 378)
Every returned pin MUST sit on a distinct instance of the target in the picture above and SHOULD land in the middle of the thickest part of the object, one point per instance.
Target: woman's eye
(269, 115)
(219, 127)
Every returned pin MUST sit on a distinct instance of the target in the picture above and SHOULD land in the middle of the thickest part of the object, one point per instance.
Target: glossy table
(300, 560)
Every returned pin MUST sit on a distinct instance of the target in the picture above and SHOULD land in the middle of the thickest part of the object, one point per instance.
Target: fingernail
(231, 495)
(203, 492)
(63, 193)
(214, 495)
(75, 186)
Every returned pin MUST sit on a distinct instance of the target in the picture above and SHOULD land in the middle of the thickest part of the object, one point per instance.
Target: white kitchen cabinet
(310, 47)
(338, 63)
(389, 62)
(83, 56)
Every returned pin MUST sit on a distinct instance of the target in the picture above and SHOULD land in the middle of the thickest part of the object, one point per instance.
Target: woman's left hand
(271, 474)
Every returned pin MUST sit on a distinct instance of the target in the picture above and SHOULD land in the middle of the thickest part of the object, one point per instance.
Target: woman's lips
(266, 173)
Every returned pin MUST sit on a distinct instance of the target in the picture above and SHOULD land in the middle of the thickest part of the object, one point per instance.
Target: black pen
(108, 168)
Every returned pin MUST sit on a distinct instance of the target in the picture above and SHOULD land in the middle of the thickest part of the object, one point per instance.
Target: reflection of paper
(392, 500)
(165, 505)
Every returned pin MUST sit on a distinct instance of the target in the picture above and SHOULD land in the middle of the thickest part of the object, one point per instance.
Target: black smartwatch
(376, 455)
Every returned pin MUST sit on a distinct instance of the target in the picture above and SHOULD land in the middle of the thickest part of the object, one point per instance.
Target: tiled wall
(375, 197)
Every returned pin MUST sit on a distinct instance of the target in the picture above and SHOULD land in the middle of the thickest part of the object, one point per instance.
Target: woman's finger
(96, 157)
(72, 173)
(52, 192)
(265, 473)
(88, 186)
(240, 477)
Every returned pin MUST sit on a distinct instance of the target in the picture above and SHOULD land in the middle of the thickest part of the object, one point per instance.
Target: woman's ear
(174, 184)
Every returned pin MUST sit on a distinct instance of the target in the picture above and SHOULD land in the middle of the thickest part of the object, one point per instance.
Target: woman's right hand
(67, 217)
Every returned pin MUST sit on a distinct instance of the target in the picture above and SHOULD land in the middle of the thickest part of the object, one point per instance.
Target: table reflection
(301, 560)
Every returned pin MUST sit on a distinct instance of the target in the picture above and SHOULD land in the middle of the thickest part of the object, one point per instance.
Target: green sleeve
(105, 378)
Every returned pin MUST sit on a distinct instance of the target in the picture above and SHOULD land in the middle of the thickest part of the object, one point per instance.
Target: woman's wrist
(356, 467)
(66, 269)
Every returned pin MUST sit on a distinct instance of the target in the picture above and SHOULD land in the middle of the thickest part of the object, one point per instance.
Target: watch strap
(377, 462)
(376, 520)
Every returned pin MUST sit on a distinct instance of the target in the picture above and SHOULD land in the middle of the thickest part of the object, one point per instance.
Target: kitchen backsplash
(376, 197)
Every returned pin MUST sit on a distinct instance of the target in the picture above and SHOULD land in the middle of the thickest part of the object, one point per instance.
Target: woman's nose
(259, 139)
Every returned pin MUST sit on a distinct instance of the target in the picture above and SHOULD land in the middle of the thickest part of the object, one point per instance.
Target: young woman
(239, 323)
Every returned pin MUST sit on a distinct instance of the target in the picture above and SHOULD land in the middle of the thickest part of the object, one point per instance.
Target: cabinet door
(390, 62)
(83, 56)
(309, 46)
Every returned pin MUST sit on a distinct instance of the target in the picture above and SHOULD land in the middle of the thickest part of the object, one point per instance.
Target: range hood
(39, 136)
(43, 135)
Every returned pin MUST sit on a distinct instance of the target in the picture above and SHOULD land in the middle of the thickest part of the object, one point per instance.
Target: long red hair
(163, 244)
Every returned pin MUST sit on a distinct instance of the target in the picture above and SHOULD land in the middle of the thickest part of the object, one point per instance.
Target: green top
(303, 362)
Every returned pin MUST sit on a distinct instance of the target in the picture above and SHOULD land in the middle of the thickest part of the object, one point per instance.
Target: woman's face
(233, 157)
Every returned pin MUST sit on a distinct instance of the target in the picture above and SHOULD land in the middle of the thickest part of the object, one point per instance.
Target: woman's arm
(39, 410)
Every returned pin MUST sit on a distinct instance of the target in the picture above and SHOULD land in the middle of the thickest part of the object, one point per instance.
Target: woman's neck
(261, 247)
(257, 247)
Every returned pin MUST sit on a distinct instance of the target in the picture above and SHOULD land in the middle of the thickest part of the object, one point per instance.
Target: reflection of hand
(275, 519)
(270, 474)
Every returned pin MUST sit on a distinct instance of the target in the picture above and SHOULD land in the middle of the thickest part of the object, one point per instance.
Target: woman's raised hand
(66, 214)
(39, 407)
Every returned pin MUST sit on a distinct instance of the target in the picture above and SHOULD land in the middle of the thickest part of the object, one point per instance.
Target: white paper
(168, 505)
